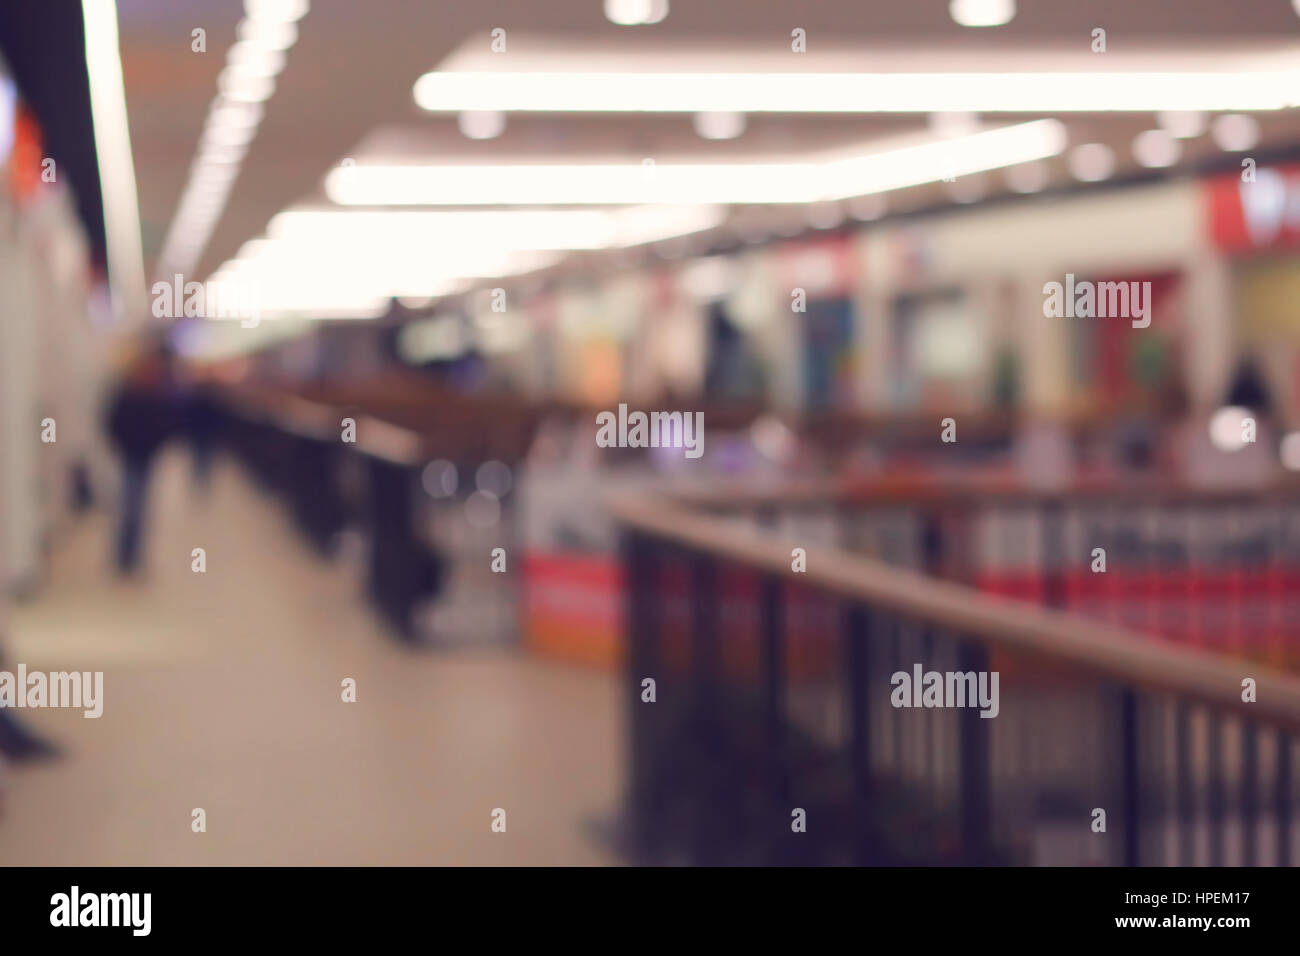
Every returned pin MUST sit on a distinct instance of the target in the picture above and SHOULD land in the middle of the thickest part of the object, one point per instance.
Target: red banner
(1255, 209)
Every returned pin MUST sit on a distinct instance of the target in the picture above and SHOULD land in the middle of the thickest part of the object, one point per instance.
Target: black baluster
(1249, 791)
(857, 623)
(1282, 799)
(771, 624)
(705, 730)
(1216, 796)
(1183, 784)
(1130, 781)
(974, 756)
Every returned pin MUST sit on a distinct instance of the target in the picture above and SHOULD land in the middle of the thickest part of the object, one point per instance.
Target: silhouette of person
(143, 413)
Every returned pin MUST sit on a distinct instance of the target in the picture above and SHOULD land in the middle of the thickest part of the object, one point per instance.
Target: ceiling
(346, 90)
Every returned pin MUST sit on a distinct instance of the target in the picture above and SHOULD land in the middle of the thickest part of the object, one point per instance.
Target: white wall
(1005, 253)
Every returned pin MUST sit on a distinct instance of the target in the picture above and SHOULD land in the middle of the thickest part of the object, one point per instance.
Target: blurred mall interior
(556, 433)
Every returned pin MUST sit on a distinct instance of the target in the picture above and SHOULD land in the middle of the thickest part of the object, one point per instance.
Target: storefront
(1255, 222)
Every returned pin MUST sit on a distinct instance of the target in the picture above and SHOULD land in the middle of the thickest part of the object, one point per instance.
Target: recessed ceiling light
(1155, 148)
(1227, 425)
(1235, 132)
(268, 34)
(982, 13)
(1091, 162)
(1182, 124)
(1026, 177)
(255, 60)
(235, 114)
(954, 124)
(243, 87)
(867, 208)
(968, 189)
(481, 124)
(246, 81)
(719, 125)
(227, 136)
(824, 215)
(628, 13)
(277, 11)
(1289, 448)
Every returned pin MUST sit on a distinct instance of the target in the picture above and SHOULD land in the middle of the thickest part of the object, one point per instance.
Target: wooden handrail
(976, 489)
(1127, 656)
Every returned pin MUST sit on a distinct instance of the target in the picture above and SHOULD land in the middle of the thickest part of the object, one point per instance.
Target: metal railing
(372, 485)
(774, 693)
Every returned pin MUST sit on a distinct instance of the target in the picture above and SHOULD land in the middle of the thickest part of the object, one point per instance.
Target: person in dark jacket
(202, 424)
(143, 413)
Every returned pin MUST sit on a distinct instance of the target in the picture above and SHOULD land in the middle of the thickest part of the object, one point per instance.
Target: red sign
(1258, 208)
(824, 268)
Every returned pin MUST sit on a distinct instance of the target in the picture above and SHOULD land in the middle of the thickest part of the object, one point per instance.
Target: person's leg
(135, 477)
(18, 743)
(202, 447)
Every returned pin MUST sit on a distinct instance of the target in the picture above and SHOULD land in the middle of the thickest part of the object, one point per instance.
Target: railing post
(1052, 516)
(704, 724)
(857, 628)
(771, 624)
(642, 629)
(705, 661)
(1183, 783)
(974, 757)
(1249, 791)
(1282, 798)
(390, 552)
(1215, 800)
(1130, 774)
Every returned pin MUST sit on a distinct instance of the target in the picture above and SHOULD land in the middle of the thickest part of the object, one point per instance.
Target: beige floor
(222, 691)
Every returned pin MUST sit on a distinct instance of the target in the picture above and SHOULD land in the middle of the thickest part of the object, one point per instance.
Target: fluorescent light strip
(247, 80)
(116, 166)
(976, 92)
(332, 260)
(834, 176)
(424, 231)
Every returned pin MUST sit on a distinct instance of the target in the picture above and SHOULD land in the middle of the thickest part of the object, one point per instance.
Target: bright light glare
(329, 259)
(519, 229)
(268, 34)
(982, 13)
(1182, 124)
(1289, 450)
(719, 125)
(1155, 148)
(1032, 92)
(627, 13)
(1234, 132)
(1227, 428)
(1091, 162)
(276, 11)
(475, 124)
(244, 87)
(113, 150)
(835, 176)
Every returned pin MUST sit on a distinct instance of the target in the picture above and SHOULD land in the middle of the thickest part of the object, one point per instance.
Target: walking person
(143, 414)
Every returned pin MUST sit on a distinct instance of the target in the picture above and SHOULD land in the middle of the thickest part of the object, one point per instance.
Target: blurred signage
(1255, 212)
(823, 268)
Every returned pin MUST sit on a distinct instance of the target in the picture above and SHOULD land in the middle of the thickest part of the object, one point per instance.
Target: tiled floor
(222, 691)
